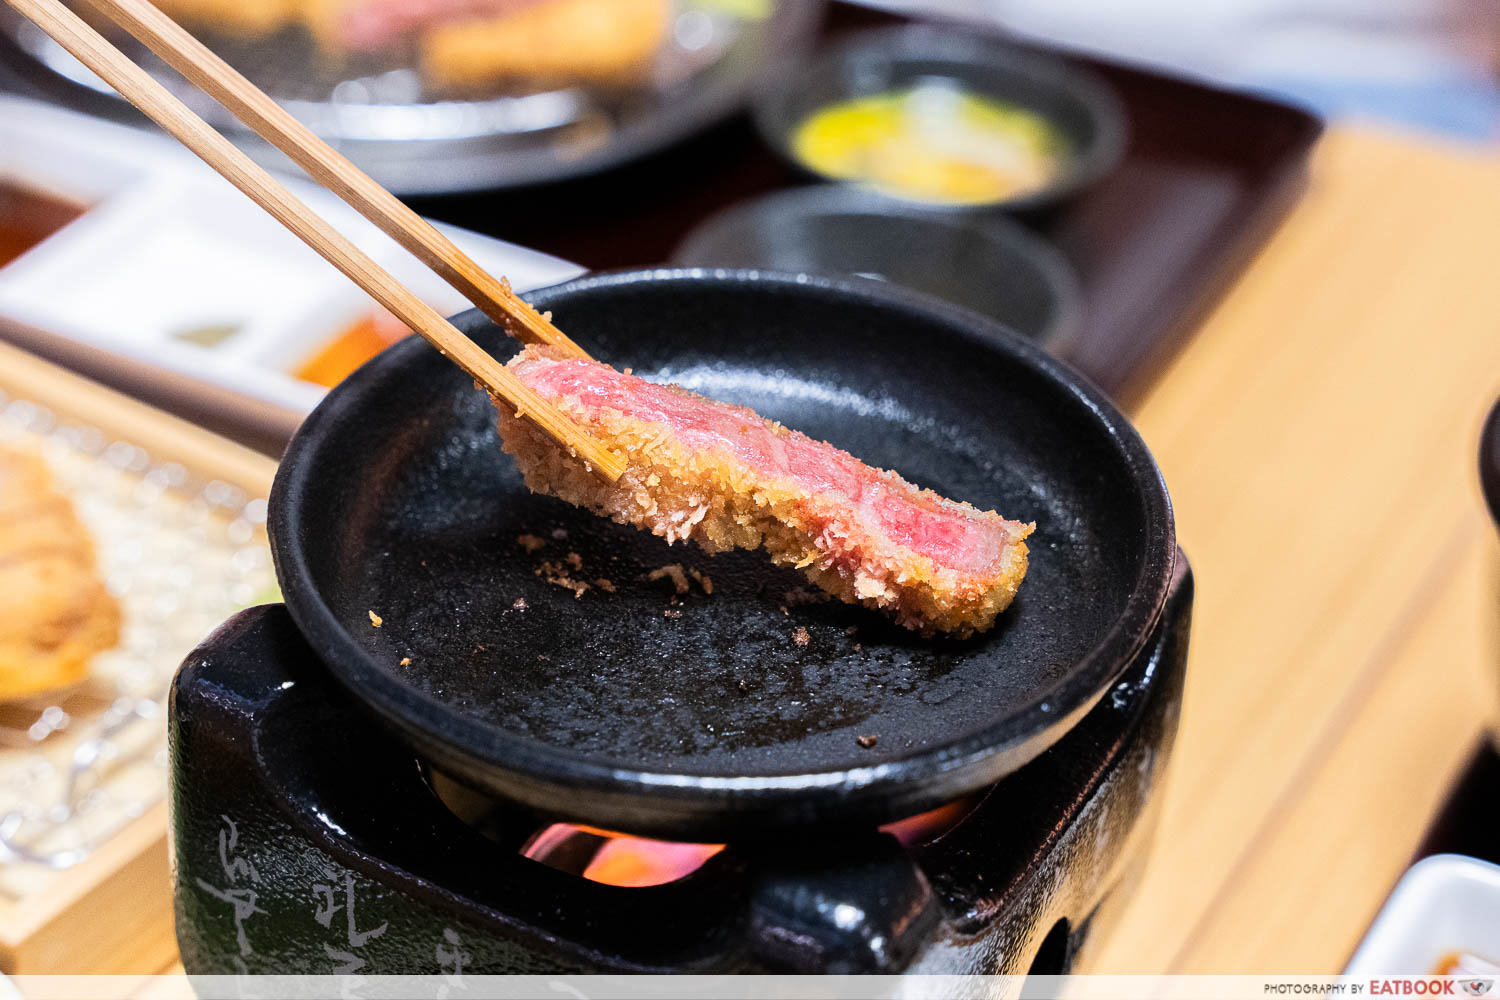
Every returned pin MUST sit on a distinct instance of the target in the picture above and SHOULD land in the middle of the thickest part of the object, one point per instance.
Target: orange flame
(636, 862)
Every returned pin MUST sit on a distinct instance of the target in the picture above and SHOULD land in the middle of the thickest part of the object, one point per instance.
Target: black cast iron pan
(1489, 462)
(700, 716)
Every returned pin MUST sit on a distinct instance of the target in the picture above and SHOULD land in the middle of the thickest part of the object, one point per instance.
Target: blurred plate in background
(1442, 919)
(428, 120)
(161, 280)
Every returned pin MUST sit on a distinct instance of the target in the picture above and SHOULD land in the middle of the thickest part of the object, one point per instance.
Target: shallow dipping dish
(700, 716)
(1080, 110)
(981, 261)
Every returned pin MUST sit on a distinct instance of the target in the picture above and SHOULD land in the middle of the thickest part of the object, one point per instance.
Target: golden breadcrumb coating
(57, 612)
(244, 18)
(594, 41)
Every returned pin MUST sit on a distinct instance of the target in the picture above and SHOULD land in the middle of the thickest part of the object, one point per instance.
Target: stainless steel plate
(380, 112)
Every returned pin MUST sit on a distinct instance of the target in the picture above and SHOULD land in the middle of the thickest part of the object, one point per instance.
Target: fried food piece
(724, 477)
(334, 23)
(57, 612)
(25, 484)
(243, 18)
(368, 25)
(590, 41)
(462, 44)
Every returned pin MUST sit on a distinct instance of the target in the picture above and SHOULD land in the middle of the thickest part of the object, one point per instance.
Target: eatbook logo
(1477, 987)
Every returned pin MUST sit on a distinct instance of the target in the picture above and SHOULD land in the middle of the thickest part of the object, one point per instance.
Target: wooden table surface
(1319, 436)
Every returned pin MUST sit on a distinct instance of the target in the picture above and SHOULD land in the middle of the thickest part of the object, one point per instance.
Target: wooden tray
(1206, 176)
(111, 912)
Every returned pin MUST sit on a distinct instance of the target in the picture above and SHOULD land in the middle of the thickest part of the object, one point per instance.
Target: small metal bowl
(983, 262)
(1080, 107)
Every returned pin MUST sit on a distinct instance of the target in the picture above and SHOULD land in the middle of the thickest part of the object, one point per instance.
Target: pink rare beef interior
(373, 24)
(951, 534)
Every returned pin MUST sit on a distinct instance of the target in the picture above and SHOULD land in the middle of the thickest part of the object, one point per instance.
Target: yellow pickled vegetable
(933, 143)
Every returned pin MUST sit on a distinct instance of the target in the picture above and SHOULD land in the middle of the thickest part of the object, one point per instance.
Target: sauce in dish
(338, 358)
(934, 142)
(1461, 963)
(28, 216)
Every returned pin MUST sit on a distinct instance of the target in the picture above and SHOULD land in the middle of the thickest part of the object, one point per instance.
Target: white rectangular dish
(171, 270)
(1446, 908)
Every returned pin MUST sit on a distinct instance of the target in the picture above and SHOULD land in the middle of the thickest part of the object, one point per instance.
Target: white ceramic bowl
(1444, 904)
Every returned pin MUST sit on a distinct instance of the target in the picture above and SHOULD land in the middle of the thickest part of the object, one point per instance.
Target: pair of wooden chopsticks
(326, 166)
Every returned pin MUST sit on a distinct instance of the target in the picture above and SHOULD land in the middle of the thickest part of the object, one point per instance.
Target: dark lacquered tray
(1206, 176)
